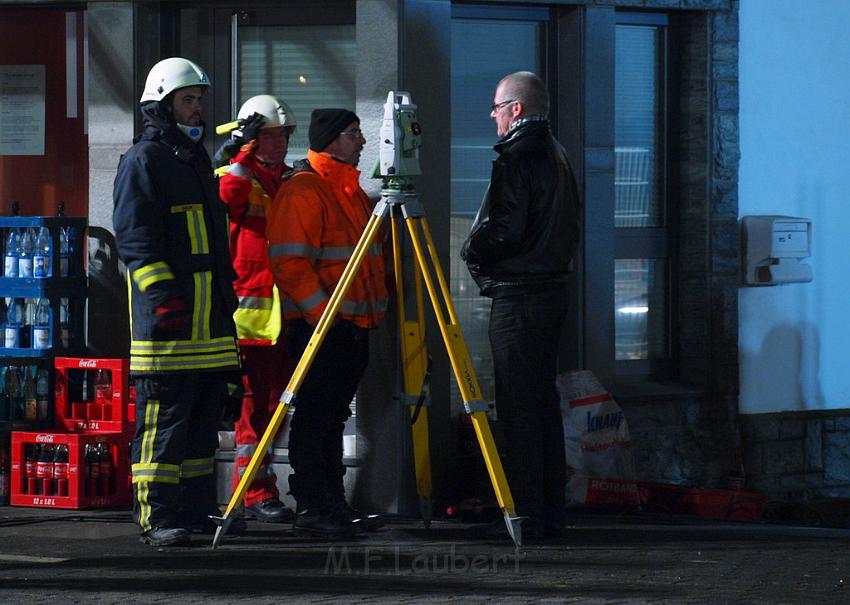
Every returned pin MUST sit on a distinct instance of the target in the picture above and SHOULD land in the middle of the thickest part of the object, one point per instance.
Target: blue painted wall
(795, 150)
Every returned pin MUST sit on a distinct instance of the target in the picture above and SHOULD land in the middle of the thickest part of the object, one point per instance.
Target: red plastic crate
(83, 492)
(705, 503)
(75, 415)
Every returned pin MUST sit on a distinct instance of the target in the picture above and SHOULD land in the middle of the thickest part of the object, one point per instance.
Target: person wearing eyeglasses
(317, 219)
(519, 251)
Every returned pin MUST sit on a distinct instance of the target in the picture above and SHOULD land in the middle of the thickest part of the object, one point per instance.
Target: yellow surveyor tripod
(399, 201)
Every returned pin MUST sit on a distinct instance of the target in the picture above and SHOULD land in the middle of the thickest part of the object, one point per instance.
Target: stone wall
(798, 455)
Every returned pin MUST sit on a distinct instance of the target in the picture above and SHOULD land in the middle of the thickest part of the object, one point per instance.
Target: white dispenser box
(772, 247)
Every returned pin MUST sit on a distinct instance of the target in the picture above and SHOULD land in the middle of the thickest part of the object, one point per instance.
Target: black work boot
(165, 536)
(270, 510)
(361, 521)
(322, 522)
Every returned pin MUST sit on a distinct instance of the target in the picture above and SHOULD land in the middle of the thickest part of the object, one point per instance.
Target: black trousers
(524, 333)
(173, 450)
(322, 406)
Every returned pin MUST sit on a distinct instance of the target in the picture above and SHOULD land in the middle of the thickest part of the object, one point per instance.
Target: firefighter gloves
(172, 318)
(251, 126)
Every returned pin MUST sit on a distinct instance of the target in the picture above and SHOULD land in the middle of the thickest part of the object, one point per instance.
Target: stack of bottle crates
(86, 463)
(42, 312)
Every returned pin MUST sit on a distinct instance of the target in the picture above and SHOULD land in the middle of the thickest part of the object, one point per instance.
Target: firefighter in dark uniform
(171, 230)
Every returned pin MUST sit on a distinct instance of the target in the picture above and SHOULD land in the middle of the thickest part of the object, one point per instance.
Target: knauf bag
(596, 443)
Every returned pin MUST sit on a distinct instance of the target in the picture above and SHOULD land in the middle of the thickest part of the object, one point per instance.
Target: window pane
(306, 66)
(483, 51)
(640, 307)
(638, 135)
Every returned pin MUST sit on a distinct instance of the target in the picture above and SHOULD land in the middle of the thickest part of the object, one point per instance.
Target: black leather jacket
(527, 229)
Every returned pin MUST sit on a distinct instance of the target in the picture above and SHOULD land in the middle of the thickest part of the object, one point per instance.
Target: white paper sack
(596, 434)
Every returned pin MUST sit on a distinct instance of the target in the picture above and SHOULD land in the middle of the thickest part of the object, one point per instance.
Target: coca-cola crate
(90, 483)
(82, 410)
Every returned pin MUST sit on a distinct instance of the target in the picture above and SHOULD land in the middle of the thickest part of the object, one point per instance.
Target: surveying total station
(398, 166)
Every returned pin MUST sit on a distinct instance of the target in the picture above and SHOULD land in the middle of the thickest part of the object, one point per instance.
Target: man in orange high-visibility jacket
(248, 185)
(318, 217)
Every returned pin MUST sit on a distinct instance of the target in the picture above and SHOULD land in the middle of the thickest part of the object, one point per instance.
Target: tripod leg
(464, 373)
(299, 373)
(414, 353)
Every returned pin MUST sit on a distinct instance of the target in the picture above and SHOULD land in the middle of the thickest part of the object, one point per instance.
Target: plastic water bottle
(64, 252)
(13, 248)
(27, 248)
(41, 325)
(14, 321)
(28, 323)
(64, 323)
(13, 252)
(41, 254)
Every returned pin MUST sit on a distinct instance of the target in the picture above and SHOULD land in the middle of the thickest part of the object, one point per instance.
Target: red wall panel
(38, 183)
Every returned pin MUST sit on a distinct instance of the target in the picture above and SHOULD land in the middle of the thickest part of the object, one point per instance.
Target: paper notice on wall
(22, 109)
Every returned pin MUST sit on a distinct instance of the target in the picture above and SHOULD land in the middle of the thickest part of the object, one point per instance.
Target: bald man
(519, 252)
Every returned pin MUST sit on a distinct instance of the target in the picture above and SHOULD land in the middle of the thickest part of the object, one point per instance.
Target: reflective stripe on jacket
(248, 188)
(171, 231)
(313, 227)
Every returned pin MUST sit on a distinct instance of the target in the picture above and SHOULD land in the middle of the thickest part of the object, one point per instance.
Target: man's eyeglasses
(357, 133)
(497, 106)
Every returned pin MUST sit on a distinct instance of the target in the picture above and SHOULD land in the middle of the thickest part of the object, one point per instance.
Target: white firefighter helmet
(276, 113)
(169, 75)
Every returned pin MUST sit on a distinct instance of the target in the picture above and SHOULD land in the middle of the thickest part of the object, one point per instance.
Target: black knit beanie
(326, 124)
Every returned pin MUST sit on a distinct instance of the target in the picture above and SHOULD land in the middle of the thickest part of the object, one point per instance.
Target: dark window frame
(655, 242)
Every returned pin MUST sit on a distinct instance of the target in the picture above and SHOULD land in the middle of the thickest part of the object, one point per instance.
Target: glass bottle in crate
(41, 325)
(27, 248)
(42, 395)
(41, 254)
(4, 476)
(4, 398)
(15, 393)
(30, 401)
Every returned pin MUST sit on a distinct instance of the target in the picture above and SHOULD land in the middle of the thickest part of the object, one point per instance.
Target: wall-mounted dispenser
(772, 247)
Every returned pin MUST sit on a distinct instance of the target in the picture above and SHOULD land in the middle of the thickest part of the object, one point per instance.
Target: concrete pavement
(49, 556)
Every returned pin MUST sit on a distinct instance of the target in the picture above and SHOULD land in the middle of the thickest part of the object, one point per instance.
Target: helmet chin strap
(193, 132)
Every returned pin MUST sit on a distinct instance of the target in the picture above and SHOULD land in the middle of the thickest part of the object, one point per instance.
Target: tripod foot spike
(514, 525)
(220, 531)
(425, 509)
